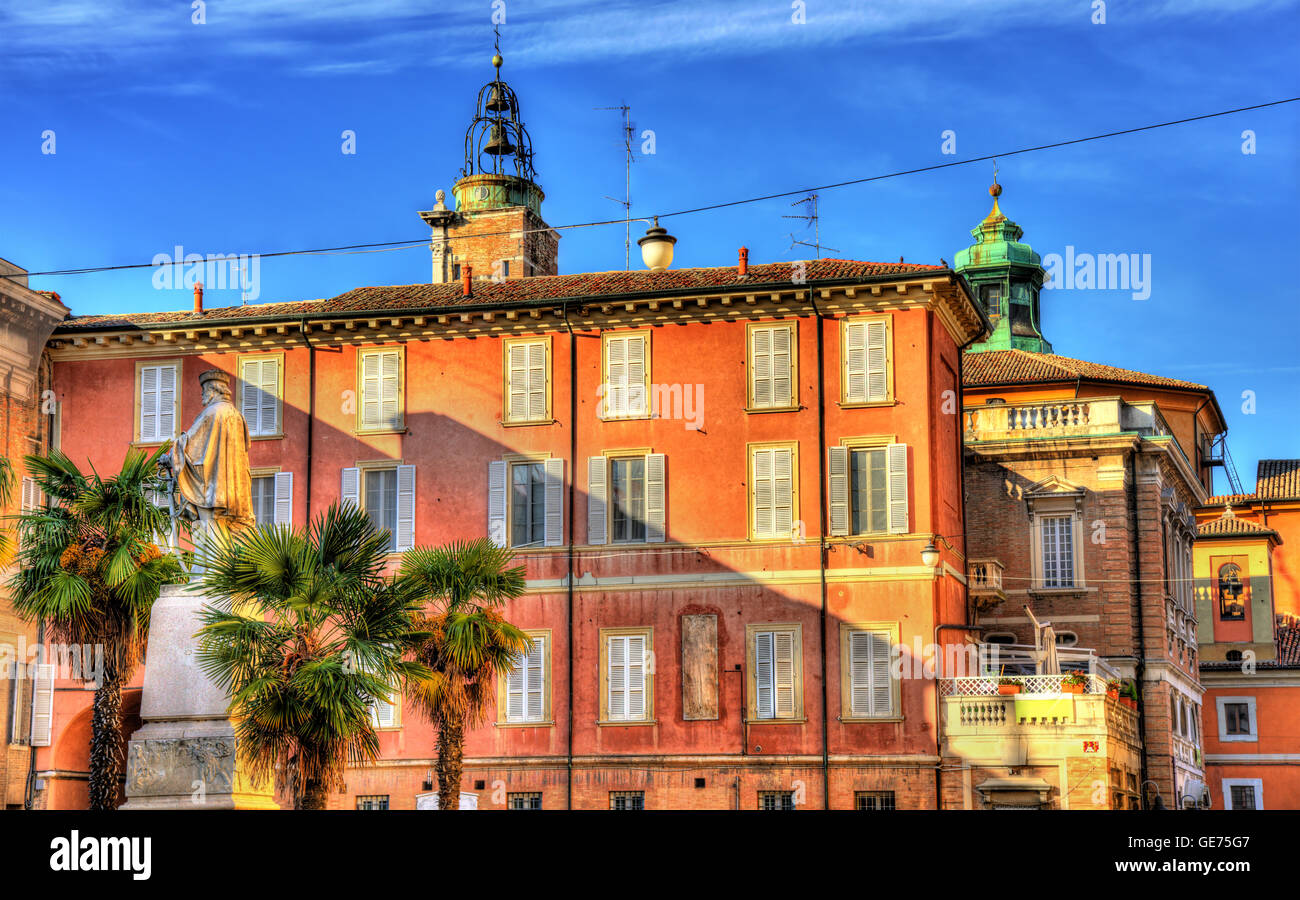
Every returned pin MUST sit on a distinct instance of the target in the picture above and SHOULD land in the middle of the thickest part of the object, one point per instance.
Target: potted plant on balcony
(1073, 682)
(1008, 686)
(1128, 695)
(1112, 688)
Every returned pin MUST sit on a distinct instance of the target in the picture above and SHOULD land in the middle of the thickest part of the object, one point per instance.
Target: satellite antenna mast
(812, 219)
(628, 130)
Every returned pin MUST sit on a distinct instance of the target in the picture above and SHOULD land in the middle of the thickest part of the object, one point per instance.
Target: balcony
(1087, 417)
(984, 581)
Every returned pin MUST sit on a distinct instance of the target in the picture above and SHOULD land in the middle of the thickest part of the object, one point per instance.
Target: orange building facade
(1248, 600)
(719, 481)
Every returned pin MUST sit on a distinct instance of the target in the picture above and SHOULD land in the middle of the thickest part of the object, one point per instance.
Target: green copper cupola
(1006, 277)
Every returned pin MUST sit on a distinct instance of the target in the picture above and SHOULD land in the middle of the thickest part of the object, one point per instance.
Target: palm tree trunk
(313, 794)
(451, 749)
(106, 744)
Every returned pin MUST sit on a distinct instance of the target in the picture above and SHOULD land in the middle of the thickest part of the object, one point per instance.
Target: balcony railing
(1065, 418)
(984, 579)
(987, 686)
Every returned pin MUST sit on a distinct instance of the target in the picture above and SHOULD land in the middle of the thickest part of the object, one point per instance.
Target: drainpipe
(573, 480)
(311, 408)
(822, 548)
(1140, 668)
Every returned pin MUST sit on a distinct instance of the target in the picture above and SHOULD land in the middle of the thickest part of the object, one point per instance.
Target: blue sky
(225, 137)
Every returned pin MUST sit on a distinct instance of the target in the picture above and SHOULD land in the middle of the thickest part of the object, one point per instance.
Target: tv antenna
(628, 130)
(811, 218)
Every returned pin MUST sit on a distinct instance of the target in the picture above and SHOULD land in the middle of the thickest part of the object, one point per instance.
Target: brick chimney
(466, 277)
(198, 297)
(743, 266)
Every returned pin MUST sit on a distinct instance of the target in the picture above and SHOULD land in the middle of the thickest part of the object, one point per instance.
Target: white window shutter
(616, 402)
(534, 681)
(536, 408)
(405, 537)
(515, 688)
(166, 403)
(350, 492)
(637, 401)
(656, 489)
(497, 471)
(760, 374)
(516, 382)
(250, 386)
(763, 494)
(783, 659)
(43, 705)
(149, 403)
(370, 389)
(877, 358)
(882, 684)
(896, 457)
(554, 536)
(837, 465)
(390, 375)
(270, 393)
(636, 665)
(855, 362)
(383, 711)
(763, 674)
(860, 673)
(871, 682)
(283, 498)
(597, 476)
(783, 492)
(617, 678)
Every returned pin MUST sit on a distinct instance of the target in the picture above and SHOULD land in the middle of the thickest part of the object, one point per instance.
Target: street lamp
(930, 554)
(657, 248)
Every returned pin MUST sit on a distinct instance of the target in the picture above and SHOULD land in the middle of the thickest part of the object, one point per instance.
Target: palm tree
(304, 633)
(469, 644)
(91, 567)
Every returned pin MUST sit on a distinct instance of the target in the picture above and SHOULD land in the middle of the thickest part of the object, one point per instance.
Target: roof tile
(998, 367)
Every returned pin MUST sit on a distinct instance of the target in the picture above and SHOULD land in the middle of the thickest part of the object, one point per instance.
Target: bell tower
(496, 226)
(1006, 277)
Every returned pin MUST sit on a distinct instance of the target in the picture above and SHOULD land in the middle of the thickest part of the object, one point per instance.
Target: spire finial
(996, 189)
(496, 48)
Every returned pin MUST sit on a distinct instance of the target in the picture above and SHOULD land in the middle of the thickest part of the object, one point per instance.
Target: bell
(498, 143)
(498, 100)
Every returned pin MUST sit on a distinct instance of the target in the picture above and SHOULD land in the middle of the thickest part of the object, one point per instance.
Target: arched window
(1231, 604)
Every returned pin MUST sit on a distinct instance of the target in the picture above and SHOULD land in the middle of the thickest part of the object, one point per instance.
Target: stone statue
(209, 463)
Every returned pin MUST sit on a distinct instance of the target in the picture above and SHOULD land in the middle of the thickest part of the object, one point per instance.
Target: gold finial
(496, 47)
(995, 190)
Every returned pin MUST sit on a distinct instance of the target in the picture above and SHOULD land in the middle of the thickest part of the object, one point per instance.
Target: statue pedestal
(183, 756)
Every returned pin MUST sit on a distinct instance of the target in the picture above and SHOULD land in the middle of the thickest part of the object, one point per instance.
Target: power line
(396, 245)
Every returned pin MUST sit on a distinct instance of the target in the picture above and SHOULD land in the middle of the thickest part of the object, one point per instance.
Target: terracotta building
(29, 417)
(1248, 610)
(1080, 482)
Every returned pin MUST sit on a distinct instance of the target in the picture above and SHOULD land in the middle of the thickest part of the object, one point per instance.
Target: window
(387, 493)
(627, 677)
(42, 720)
(1231, 605)
(526, 502)
(627, 799)
(526, 688)
(873, 800)
(865, 377)
(157, 401)
(20, 703)
(626, 498)
(1056, 534)
(768, 800)
(991, 295)
(772, 491)
(527, 381)
(524, 800)
(1237, 719)
(625, 390)
(1243, 793)
(372, 801)
(868, 488)
(273, 498)
(867, 687)
(259, 394)
(774, 657)
(771, 367)
(379, 373)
